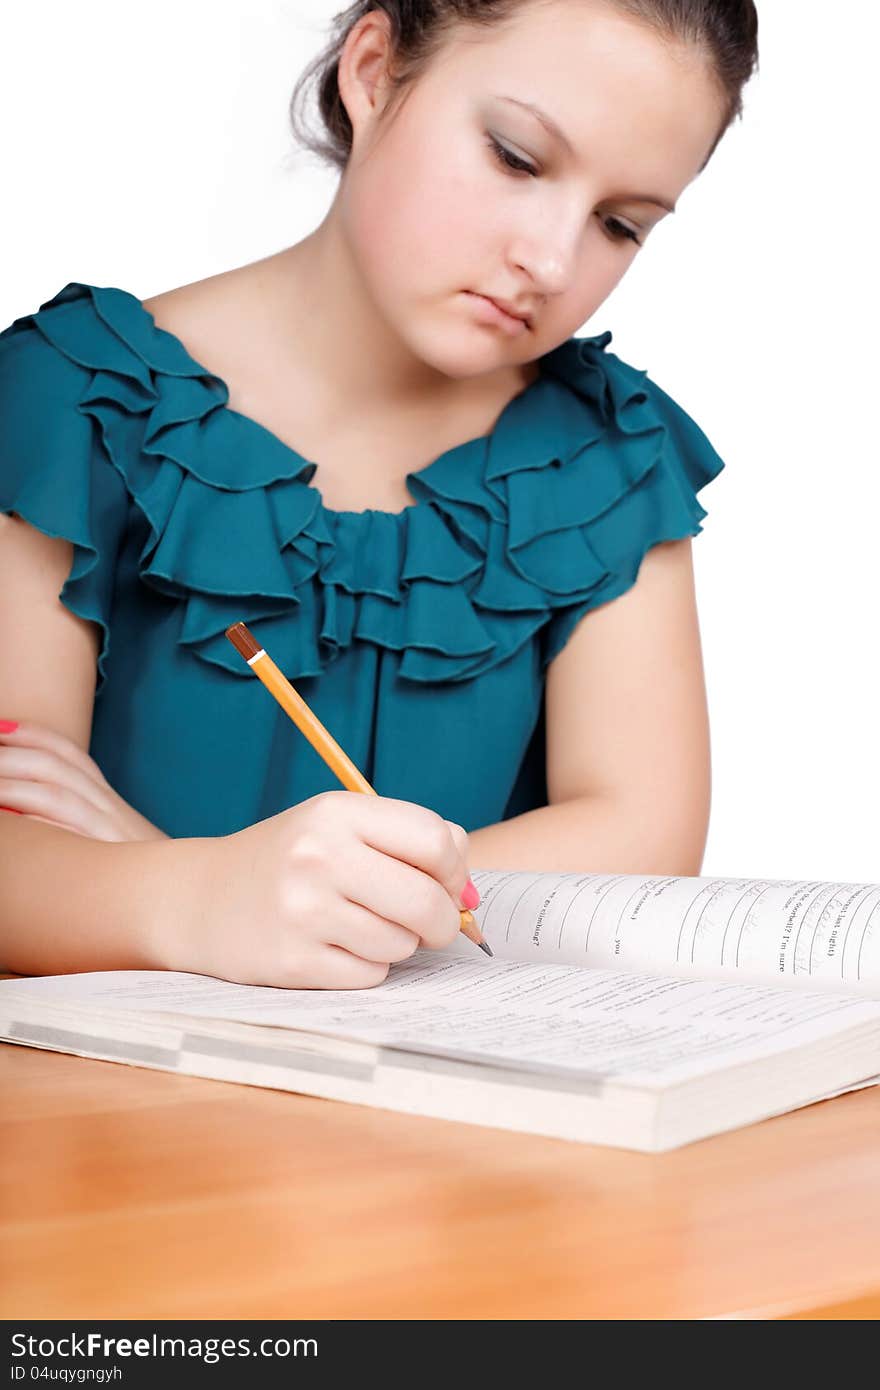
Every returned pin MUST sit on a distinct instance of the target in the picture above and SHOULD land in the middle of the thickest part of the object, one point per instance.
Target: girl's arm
(324, 895)
(70, 903)
(628, 757)
(66, 902)
(49, 666)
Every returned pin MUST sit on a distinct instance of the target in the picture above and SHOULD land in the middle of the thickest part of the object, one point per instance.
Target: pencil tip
(484, 947)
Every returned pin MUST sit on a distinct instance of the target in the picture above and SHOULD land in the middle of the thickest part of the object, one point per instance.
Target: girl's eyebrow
(550, 125)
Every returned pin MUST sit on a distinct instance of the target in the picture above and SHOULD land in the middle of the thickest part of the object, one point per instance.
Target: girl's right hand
(323, 896)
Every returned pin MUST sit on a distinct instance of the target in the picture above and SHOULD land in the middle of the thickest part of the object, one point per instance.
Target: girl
(483, 586)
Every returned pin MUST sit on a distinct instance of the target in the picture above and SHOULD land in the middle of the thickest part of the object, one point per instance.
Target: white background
(144, 147)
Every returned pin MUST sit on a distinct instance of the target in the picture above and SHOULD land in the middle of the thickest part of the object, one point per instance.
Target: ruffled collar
(495, 541)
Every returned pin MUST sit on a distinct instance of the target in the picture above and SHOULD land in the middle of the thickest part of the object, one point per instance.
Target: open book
(644, 1012)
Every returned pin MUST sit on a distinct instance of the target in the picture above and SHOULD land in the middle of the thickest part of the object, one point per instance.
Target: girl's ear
(363, 71)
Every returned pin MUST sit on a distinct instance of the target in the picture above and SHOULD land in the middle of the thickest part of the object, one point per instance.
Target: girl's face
(464, 191)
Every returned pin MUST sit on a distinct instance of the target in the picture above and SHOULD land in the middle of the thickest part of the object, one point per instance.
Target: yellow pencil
(321, 740)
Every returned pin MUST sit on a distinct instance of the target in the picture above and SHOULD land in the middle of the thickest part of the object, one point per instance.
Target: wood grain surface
(126, 1192)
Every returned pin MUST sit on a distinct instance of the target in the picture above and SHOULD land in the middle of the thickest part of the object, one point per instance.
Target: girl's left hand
(46, 776)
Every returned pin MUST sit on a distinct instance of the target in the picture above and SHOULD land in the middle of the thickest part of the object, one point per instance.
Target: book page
(592, 1024)
(808, 933)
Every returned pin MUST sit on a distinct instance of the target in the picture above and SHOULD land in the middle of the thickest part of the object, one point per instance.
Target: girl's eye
(620, 232)
(508, 159)
(617, 230)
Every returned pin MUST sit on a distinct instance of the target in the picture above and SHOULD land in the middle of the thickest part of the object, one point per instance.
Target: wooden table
(134, 1193)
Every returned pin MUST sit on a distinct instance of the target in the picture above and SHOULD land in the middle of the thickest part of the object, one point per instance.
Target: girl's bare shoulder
(209, 316)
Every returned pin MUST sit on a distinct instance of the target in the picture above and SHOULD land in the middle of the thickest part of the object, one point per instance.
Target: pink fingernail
(8, 726)
(470, 897)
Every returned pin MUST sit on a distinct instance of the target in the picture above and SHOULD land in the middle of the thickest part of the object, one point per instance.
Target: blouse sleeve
(664, 460)
(53, 471)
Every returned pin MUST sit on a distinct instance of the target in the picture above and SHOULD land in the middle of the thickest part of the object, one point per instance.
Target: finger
(374, 938)
(55, 804)
(27, 764)
(336, 968)
(46, 820)
(460, 836)
(415, 834)
(31, 735)
(393, 891)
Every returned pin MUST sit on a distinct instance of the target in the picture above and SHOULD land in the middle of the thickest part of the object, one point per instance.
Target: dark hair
(726, 30)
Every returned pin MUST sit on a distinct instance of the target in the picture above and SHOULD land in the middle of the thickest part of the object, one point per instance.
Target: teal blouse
(420, 638)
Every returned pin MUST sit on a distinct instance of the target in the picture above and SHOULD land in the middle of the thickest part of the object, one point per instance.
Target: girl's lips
(487, 311)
